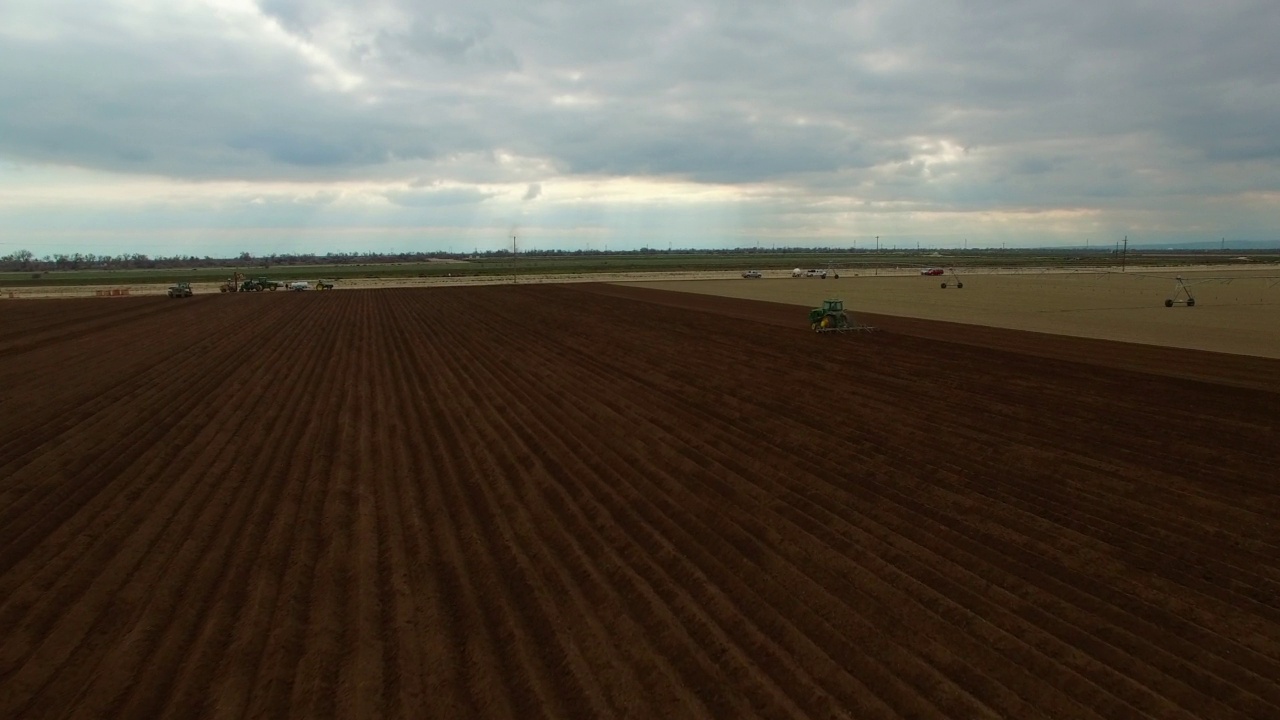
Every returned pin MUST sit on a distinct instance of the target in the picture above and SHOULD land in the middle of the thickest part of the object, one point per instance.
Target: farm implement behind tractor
(832, 318)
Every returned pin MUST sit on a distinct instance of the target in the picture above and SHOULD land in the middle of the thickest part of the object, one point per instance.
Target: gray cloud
(976, 106)
(455, 39)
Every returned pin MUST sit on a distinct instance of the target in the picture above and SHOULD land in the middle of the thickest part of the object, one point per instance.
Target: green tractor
(180, 290)
(831, 317)
(258, 285)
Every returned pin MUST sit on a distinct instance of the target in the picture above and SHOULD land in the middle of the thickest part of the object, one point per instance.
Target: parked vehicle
(259, 284)
(180, 290)
(752, 274)
(810, 273)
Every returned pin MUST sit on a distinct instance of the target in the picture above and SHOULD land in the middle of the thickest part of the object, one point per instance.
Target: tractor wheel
(959, 285)
(1168, 303)
(1191, 302)
(836, 276)
(944, 286)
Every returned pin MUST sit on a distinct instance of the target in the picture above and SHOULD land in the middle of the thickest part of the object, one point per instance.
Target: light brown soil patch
(1241, 316)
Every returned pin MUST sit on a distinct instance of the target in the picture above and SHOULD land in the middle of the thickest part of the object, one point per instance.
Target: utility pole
(515, 274)
(1125, 255)
(877, 243)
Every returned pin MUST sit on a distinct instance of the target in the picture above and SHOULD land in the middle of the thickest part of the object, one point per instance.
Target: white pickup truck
(814, 273)
(752, 274)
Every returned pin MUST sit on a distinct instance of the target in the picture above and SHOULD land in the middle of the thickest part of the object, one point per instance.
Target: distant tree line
(25, 260)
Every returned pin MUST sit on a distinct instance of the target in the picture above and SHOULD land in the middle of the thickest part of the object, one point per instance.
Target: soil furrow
(540, 501)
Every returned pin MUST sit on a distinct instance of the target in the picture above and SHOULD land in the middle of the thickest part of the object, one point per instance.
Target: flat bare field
(1241, 316)
(546, 501)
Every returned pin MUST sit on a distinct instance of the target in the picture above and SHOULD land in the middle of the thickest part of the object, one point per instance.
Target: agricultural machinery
(831, 317)
(258, 285)
(1181, 294)
(324, 284)
(180, 290)
(937, 271)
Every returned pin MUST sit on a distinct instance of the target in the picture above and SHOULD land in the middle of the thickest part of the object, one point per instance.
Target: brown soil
(599, 501)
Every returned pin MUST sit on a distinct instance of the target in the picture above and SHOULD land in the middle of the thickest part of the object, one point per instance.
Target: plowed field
(595, 501)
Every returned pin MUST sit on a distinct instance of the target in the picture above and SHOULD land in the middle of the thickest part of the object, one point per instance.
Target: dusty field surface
(1241, 316)
(605, 501)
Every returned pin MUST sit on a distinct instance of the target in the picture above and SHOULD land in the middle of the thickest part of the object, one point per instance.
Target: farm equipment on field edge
(233, 284)
(180, 290)
(831, 317)
(1181, 294)
(258, 285)
(957, 277)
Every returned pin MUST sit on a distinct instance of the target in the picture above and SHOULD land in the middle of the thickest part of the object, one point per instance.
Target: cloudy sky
(219, 126)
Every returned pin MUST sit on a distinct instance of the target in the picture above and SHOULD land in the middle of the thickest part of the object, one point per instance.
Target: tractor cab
(833, 308)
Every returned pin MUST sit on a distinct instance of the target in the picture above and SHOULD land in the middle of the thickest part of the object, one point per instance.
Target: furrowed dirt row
(598, 501)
